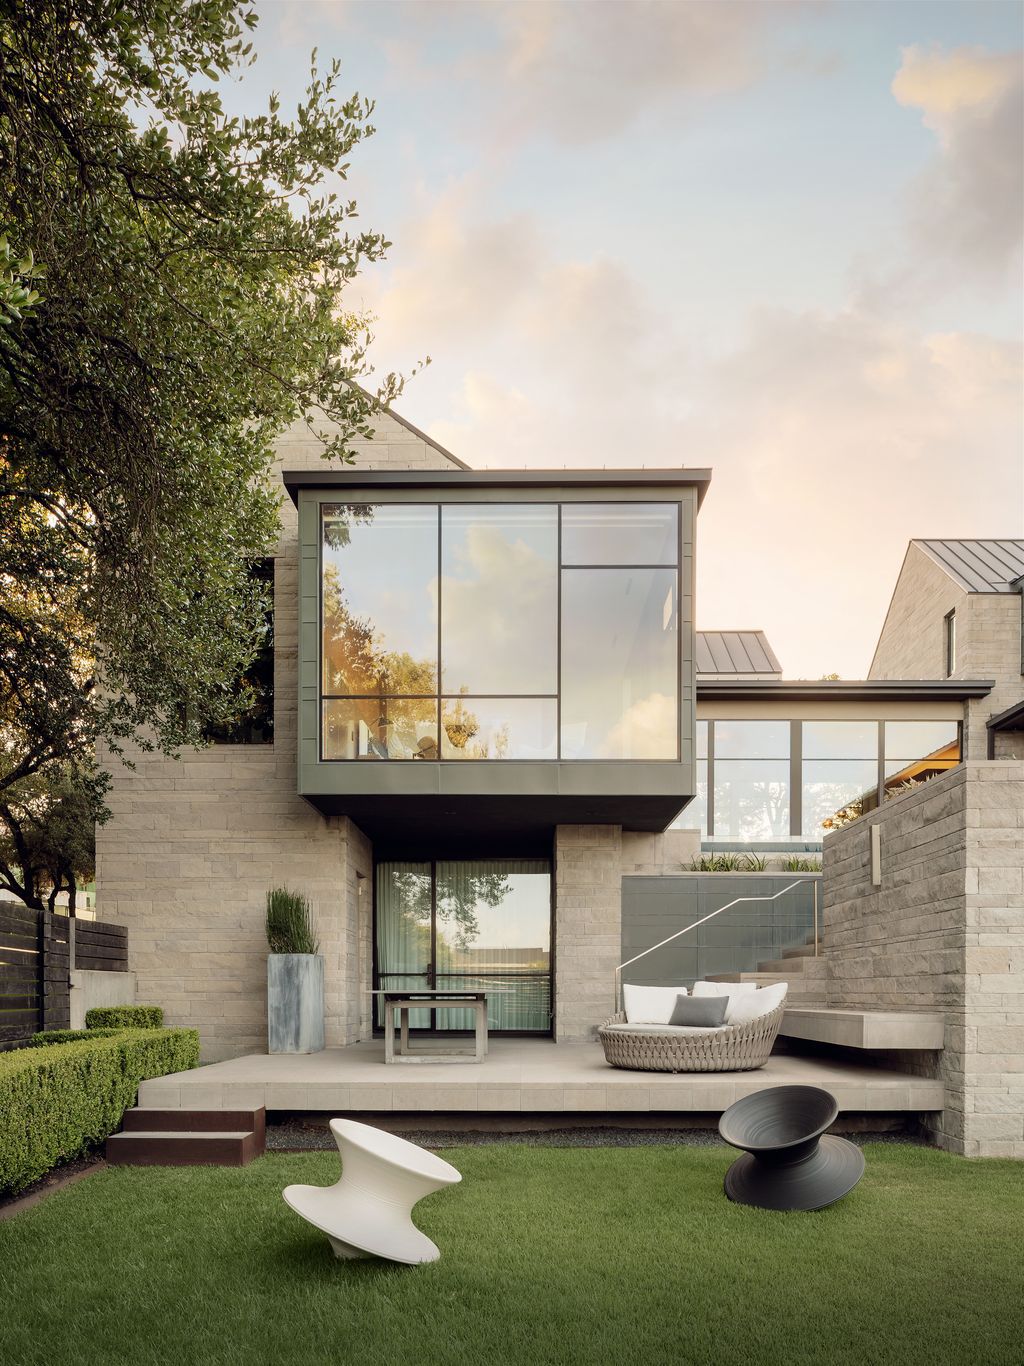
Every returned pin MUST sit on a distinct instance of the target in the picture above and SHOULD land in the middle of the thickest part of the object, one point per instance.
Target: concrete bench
(893, 1029)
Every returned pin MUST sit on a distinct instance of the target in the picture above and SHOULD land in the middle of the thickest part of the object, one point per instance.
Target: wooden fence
(35, 966)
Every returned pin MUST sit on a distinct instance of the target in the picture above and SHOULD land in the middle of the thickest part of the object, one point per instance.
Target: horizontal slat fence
(35, 966)
(20, 979)
(101, 946)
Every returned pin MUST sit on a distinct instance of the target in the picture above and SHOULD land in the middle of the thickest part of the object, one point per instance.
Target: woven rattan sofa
(675, 1048)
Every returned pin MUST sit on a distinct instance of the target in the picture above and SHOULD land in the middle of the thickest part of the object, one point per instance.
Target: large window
(752, 790)
(840, 772)
(779, 781)
(459, 631)
(465, 925)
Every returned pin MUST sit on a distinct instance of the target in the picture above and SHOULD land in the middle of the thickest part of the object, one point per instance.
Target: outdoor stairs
(799, 967)
(188, 1138)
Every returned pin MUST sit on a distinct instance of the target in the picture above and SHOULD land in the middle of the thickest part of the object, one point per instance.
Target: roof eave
(858, 690)
(296, 480)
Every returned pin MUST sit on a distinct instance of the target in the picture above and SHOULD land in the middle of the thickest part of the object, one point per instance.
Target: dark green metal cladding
(490, 802)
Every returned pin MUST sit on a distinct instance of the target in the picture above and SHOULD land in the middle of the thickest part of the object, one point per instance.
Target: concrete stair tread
(195, 1135)
(869, 1029)
(762, 977)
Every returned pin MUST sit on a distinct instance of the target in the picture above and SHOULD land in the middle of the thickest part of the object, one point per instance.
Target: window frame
(949, 641)
(442, 697)
(796, 837)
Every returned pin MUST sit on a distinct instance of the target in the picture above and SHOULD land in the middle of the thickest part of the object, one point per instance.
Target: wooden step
(181, 1138)
(195, 1121)
(160, 1148)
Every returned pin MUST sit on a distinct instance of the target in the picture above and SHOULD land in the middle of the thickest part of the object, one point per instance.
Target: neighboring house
(488, 705)
(957, 612)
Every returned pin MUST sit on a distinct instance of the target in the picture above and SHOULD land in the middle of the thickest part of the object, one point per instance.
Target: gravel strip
(309, 1138)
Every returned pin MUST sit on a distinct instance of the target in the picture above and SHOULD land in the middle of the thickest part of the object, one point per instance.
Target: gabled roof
(979, 566)
(736, 654)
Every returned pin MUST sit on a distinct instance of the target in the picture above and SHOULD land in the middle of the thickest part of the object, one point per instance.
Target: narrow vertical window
(950, 643)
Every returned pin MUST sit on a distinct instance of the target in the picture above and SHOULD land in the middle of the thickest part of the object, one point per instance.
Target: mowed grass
(609, 1255)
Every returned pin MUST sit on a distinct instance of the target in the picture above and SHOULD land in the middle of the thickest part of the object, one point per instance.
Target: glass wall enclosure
(468, 925)
(500, 631)
(743, 936)
(775, 781)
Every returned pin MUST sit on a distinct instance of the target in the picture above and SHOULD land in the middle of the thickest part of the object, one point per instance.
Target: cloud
(584, 72)
(641, 734)
(579, 73)
(833, 438)
(967, 206)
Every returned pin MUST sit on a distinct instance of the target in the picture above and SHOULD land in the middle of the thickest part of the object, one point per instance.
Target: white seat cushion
(650, 1005)
(668, 1029)
(752, 1005)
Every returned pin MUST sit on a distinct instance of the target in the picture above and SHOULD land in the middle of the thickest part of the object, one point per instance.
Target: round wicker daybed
(674, 1048)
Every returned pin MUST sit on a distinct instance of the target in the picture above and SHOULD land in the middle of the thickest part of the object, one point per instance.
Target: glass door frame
(431, 973)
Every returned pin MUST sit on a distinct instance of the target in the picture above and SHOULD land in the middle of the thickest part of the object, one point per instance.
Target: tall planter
(295, 1002)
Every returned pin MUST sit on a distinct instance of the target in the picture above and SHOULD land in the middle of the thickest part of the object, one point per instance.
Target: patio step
(186, 1138)
(803, 966)
(805, 988)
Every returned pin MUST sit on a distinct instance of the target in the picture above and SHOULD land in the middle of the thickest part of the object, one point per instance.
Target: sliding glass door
(469, 925)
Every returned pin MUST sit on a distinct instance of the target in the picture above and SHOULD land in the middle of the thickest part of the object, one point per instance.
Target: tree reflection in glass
(379, 599)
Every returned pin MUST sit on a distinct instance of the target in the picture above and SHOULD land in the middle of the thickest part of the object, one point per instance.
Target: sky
(782, 240)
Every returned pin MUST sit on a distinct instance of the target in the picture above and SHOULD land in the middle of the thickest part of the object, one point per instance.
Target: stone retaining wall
(943, 931)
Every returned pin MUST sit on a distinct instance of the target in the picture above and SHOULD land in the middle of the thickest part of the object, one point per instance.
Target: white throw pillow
(650, 1005)
(744, 1009)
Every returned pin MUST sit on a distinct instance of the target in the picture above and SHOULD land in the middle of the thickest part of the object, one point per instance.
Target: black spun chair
(789, 1162)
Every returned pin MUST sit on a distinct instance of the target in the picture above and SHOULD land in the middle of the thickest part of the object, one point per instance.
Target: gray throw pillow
(700, 1010)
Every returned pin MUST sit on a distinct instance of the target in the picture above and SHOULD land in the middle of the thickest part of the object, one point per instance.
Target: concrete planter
(295, 1003)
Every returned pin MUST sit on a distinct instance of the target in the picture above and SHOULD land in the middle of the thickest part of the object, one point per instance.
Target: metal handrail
(703, 921)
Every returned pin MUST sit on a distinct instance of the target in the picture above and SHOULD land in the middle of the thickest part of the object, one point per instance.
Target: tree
(47, 844)
(191, 308)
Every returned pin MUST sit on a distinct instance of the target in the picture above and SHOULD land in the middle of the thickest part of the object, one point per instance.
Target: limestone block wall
(912, 643)
(588, 927)
(944, 931)
(195, 842)
(992, 649)
(670, 852)
(912, 640)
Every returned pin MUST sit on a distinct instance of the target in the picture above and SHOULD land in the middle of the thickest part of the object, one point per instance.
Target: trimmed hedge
(124, 1017)
(69, 1035)
(57, 1099)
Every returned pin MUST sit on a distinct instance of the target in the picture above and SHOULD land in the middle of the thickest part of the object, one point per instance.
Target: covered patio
(519, 1075)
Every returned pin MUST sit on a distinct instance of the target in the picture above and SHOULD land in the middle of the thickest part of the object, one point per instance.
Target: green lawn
(549, 1255)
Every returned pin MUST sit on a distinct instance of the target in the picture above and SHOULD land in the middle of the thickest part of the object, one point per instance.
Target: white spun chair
(368, 1212)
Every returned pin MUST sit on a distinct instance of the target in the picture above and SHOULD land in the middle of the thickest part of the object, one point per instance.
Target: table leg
(403, 1045)
(481, 1030)
(389, 1032)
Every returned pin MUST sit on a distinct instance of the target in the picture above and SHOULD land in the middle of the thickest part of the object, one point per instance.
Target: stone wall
(588, 927)
(194, 843)
(992, 650)
(944, 931)
(912, 643)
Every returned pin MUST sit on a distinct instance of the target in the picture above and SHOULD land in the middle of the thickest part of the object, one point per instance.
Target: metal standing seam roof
(989, 566)
(735, 652)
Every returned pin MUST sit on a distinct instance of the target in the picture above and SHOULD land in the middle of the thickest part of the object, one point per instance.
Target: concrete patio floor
(518, 1075)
